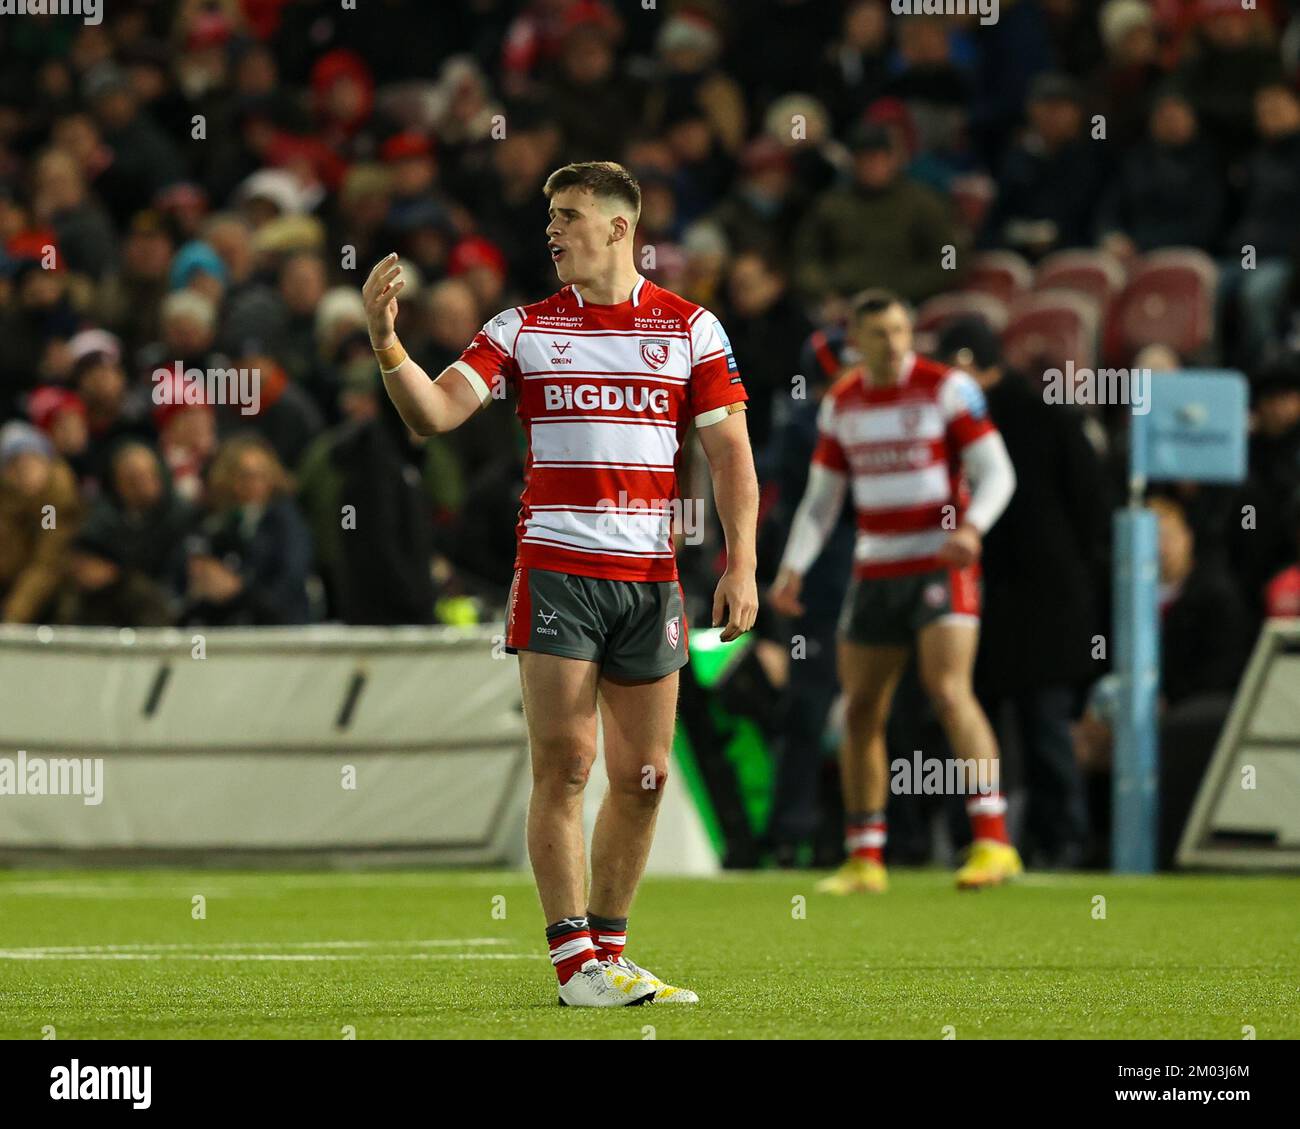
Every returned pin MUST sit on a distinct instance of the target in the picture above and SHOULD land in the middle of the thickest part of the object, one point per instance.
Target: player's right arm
(426, 406)
(818, 511)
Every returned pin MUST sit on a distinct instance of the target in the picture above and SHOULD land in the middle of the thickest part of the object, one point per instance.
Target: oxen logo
(655, 352)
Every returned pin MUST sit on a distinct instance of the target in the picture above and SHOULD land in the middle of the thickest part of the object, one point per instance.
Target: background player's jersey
(605, 394)
(901, 446)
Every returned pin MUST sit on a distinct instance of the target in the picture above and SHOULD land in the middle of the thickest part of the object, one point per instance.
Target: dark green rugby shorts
(889, 611)
(635, 630)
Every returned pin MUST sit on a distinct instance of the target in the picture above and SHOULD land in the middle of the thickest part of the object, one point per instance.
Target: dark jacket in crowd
(1222, 85)
(1046, 550)
(1166, 196)
(272, 555)
(1204, 636)
(149, 542)
(1272, 202)
(385, 565)
(770, 343)
(1061, 187)
(854, 238)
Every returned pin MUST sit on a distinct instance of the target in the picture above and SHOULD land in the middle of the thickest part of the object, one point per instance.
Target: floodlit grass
(427, 955)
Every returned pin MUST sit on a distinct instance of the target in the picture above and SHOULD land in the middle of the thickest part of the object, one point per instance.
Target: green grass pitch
(454, 954)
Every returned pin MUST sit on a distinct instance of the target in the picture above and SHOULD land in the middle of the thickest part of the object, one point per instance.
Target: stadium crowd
(204, 184)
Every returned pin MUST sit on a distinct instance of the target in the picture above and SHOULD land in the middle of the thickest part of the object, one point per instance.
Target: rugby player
(906, 433)
(608, 374)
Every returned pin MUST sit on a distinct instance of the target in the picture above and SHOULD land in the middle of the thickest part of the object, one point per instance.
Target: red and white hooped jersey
(901, 446)
(605, 394)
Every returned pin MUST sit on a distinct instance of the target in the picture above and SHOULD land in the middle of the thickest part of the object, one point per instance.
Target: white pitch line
(211, 945)
(257, 885)
(27, 954)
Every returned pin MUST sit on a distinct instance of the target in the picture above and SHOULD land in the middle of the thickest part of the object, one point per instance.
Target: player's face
(884, 339)
(578, 234)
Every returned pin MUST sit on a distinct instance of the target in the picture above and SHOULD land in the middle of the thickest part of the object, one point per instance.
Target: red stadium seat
(1004, 274)
(1046, 330)
(1099, 275)
(1169, 300)
(939, 311)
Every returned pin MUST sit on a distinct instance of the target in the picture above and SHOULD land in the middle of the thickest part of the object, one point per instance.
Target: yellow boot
(989, 864)
(856, 876)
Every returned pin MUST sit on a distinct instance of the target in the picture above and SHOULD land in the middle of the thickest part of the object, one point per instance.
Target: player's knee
(643, 785)
(562, 770)
(865, 715)
(948, 696)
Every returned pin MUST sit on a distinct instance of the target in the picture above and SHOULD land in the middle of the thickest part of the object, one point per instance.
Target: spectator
(1228, 58)
(103, 591)
(188, 326)
(766, 325)
(187, 437)
(855, 62)
(286, 416)
(40, 512)
(762, 209)
(142, 516)
(81, 226)
(1051, 179)
(130, 302)
(1132, 68)
(112, 414)
(813, 683)
(1260, 546)
(587, 76)
(145, 159)
(1203, 625)
(249, 563)
(1266, 227)
(1044, 552)
(1167, 192)
(399, 486)
(689, 78)
(61, 415)
(35, 329)
(303, 280)
(196, 266)
(882, 230)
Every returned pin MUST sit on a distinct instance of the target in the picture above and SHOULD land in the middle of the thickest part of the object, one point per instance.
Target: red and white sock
(864, 836)
(608, 934)
(988, 817)
(571, 947)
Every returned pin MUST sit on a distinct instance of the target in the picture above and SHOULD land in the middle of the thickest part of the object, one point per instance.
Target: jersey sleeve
(715, 386)
(829, 452)
(965, 412)
(490, 357)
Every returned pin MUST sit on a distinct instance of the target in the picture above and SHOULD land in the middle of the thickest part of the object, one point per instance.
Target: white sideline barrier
(1247, 811)
(242, 755)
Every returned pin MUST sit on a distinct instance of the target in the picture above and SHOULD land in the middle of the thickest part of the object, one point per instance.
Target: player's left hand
(962, 548)
(736, 601)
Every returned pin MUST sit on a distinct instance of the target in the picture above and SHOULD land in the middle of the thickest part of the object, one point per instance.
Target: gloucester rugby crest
(654, 352)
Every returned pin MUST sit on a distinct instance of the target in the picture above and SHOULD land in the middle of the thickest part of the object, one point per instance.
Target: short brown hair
(606, 179)
(875, 301)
